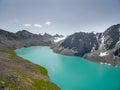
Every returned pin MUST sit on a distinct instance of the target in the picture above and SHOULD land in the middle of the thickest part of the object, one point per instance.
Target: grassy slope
(20, 74)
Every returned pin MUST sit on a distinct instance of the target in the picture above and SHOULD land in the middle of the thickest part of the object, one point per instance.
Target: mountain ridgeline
(21, 38)
(101, 47)
(19, 74)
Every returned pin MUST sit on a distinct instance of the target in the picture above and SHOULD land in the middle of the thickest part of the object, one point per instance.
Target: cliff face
(100, 47)
(110, 38)
(80, 42)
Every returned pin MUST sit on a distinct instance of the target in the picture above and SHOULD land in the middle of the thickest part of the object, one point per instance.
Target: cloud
(33, 25)
(48, 23)
(27, 25)
(37, 25)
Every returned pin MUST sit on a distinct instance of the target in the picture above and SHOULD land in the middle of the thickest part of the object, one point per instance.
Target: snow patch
(118, 43)
(95, 32)
(101, 63)
(72, 40)
(102, 45)
(105, 63)
(57, 39)
(93, 48)
(102, 40)
(103, 54)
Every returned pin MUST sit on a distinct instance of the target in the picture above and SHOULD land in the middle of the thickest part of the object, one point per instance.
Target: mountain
(21, 38)
(48, 36)
(110, 37)
(57, 35)
(77, 44)
(19, 74)
(58, 38)
(100, 47)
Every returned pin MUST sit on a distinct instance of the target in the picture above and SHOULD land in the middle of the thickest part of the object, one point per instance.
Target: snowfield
(103, 54)
(57, 39)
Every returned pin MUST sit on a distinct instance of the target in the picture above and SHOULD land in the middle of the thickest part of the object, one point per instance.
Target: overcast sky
(59, 16)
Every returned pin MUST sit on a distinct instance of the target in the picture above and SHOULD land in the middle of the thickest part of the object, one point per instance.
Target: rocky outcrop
(101, 47)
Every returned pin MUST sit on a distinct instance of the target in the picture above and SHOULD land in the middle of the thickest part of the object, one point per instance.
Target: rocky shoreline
(109, 60)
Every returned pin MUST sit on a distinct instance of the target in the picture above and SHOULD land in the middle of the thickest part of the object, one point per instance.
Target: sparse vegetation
(22, 74)
(7, 85)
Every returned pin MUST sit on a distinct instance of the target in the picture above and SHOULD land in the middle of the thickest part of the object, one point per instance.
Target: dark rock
(117, 52)
(21, 39)
(48, 36)
(110, 37)
(80, 43)
(56, 35)
(90, 45)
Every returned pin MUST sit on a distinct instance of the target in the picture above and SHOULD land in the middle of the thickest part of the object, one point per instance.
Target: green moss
(43, 85)
(12, 54)
(39, 69)
(7, 85)
(35, 84)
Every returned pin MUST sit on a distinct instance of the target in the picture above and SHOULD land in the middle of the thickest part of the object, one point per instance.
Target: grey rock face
(57, 35)
(110, 37)
(46, 35)
(27, 35)
(117, 52)
(21, 38)
(100, 47)
(109, 42)
(80, 43)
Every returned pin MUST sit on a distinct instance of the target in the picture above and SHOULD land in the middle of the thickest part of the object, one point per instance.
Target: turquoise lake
(73, 73)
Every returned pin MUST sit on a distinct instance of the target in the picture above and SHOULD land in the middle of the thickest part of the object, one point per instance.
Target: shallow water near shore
(73, 73)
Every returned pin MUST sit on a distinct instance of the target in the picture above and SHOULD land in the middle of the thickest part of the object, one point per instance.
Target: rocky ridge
(100, 47)
(21, 38)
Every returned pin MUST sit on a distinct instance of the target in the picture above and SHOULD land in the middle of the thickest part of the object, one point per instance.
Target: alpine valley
(19, 74)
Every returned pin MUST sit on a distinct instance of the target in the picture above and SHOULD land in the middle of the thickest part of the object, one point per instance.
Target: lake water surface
(73, 73)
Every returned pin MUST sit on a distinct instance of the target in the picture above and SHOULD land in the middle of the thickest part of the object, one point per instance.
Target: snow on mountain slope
(57, 39)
